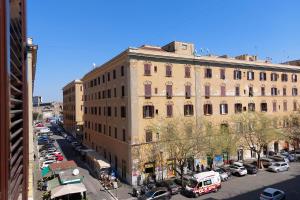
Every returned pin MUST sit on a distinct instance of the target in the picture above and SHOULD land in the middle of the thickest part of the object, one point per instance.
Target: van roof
(203, 175)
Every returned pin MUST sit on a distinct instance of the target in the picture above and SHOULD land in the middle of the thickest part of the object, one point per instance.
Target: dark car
(171, 185)
(227, 170)
(184, 181)
(251, 169)
(156, 193)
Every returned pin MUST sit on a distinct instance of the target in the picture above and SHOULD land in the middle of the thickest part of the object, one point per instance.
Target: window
(188, 110)
(155, 90)
(223, 109)
(124, 135)
(250, 91)
(187, 72)
(149, 137)
(263, 91)
(114, 74)
(222, 74)
(250, 75)
(294, 77)
(147, 91)
(85, 110)
(108, 76)
(116, 133)
(251, 107)
(262, 76)
(207, 182)
(284, 91)
(284, 77)
(223, 91)
(238, 108)
(155, 69)
(168, 70)
(122, 71)
(237, 90)
(169, 91)
(109, 93)
(103, 78)
(207, 91)
(109, 111)
(115, 92)
(116, 112)
(169, 110)
(263, 107)
(147, 69)
(295, 106)
(285, 106)
(237, 74)
(253, 152)
(208, 73)
(208, 109)
(109, 130)
(148, 111)
(187, 91)
(274, 91)
(294, 91)
(274, 106)
(99, 110)
(123, 111)
(274, 77)
(123, 91)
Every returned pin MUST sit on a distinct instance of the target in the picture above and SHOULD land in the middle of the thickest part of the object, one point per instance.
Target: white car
(47, 163)
(223, 174)
(279, 167)
(238, 170)
(272, 194)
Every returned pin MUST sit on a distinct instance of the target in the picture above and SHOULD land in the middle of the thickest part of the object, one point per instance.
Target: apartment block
(73, 108)
(124, 96)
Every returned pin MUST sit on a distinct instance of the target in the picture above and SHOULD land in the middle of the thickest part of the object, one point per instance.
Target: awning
(67, 189)
(53, 183)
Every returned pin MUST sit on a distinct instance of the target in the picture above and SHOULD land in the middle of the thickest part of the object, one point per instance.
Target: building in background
(13, 101)
(31, 69)
(73, 108)
(48, 110)
(37, 100)
(124, 96)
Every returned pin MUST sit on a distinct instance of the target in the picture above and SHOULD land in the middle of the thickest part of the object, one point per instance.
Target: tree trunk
(258, 161)
(181, 174)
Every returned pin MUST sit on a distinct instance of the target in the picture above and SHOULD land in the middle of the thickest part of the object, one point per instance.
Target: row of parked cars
(48, 152)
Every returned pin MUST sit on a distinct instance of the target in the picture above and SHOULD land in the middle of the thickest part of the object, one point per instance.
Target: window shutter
(168, 70)
(147, 69)
(188, 91)
(169, 110)
(223, 91)
(207, 90)
(148, 90)
(187, 72)
(169, 90)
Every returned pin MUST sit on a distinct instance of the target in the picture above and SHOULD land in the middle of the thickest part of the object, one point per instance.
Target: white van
(203, 183)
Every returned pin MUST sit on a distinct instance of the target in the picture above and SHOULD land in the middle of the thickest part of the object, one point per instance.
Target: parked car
(266, 162)
(227, 170)
(279, 158)
(178, 181)
(156, 193)
(170, 185)
(59, 158)
(272, 194)
(288, 156)
(46, 163)
(251, 169)
(296, 153)
(238, 170)
(223, 174)
(279, 167)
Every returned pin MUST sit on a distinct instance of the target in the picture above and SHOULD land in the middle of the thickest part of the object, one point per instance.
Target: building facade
(13, 101)
(31, 69)
(73, 108)
(124, 96)
(37, 100)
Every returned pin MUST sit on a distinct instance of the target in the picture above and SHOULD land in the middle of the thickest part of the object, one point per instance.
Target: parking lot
(250, 186)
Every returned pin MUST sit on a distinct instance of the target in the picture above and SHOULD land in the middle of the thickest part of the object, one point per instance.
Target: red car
(57, 154)
(60, 158)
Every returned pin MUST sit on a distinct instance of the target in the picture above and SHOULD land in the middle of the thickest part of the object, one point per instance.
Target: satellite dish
(75, 172)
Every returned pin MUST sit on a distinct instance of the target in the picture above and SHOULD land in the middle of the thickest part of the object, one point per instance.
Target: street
(91, 183)
(250, 186)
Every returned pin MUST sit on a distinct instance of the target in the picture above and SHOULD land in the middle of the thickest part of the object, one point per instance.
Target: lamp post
(161, 165)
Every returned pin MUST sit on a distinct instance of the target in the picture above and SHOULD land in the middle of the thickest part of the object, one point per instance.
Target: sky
(73, 34)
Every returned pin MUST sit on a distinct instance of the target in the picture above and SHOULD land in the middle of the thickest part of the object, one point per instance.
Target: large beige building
(124, 96)
(73, 108)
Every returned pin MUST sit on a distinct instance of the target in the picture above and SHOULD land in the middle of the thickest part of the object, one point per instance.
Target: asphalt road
(91, 183)
(249, 187)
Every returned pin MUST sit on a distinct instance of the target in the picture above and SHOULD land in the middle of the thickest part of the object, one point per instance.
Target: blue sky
(73, 34)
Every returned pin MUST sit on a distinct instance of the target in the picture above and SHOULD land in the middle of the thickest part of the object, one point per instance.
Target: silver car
(279, 167)
(272, 194)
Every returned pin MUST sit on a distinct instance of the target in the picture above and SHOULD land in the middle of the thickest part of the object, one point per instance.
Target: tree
(218, 140)
(291, 129)
(256, 130)
(180, 139)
